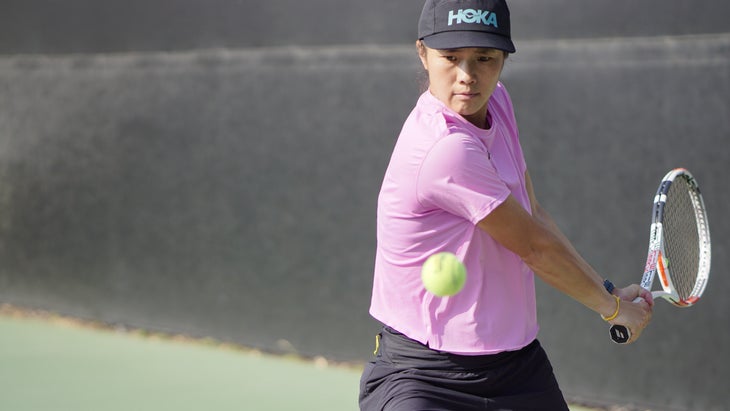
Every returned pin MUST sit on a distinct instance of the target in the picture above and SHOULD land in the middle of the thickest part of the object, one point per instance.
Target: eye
(485, 59)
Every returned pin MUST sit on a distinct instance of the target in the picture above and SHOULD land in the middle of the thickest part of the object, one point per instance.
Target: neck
(481, 119)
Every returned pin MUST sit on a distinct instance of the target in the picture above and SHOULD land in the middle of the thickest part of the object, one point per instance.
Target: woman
(457, 182)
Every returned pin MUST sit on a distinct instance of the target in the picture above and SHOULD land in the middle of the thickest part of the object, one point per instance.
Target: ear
(422, 52)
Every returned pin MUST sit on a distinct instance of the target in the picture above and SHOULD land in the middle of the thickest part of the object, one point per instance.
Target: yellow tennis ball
(443, 274)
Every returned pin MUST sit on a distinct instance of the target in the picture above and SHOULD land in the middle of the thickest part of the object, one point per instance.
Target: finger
(635, 335)
(648, 297)
(636, 291)
(629, 293)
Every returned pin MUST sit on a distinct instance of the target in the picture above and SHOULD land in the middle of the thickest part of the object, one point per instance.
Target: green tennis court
(58, 366)
(50, 366)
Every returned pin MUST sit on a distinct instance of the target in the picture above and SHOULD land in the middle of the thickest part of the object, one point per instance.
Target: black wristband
(609, 286)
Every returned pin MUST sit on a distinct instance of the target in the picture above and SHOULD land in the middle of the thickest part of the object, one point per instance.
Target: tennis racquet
(679, 245)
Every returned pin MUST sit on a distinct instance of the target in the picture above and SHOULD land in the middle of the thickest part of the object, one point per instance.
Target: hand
(634, 315)
(633, 292)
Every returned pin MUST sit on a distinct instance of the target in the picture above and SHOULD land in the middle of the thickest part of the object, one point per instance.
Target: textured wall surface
(82, 26)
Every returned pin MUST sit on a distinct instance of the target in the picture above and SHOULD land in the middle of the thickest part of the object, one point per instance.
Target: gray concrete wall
(84, 26)
(231, 192)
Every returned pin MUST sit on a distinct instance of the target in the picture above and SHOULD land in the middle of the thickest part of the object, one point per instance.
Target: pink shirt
(446, 175)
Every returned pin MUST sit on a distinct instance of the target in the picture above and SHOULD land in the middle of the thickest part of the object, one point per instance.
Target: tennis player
(457, 181)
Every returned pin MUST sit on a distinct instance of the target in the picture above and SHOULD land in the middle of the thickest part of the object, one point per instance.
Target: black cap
(453, 24)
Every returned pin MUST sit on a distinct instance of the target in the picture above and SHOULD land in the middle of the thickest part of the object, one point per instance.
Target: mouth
(467, 94)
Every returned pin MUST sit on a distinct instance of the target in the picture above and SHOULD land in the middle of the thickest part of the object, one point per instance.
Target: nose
(466, 72)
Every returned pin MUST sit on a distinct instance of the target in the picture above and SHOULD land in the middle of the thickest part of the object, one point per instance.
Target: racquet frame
(656, 263)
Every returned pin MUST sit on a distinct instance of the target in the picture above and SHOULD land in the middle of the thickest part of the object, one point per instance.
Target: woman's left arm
(542, 215)
(628, 293)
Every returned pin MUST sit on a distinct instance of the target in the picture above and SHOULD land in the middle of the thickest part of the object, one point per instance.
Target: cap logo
(485, 17)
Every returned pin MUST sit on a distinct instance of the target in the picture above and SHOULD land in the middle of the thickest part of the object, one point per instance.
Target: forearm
(556, 262)
(536, 239)
(561, 266)
(553, 258)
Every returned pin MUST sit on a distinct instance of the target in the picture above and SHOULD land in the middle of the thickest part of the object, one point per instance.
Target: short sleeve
(458, 176)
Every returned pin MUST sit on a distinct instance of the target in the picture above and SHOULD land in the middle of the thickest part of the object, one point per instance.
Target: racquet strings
(681, 237)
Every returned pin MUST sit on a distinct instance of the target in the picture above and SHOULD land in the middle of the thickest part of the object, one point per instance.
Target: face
(464, 78)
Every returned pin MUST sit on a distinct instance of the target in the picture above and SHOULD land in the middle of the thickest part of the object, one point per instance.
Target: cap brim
(463, 39)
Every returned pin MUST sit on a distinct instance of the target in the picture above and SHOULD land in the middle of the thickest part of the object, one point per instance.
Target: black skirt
(407, 375)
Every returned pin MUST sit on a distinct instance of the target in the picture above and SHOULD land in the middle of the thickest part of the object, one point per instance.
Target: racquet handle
(621, 334)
